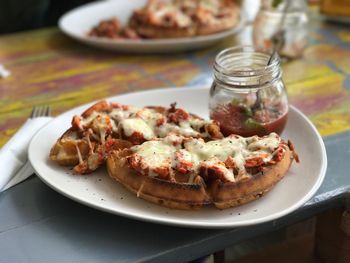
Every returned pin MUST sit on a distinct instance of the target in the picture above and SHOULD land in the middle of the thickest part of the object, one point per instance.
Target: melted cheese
(167, 129)
(132, 125)
(188, 128)
(156, 153)
(169, 152)
(151, 117)
(100, 123)
(150, 123)
(217, 148)
(184, 128)
(87, 121)
(120, 114)
(212, 12)
(267, 143)
(160, 12)
(212, 6)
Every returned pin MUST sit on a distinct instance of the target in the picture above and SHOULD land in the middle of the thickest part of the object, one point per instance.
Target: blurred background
(17, 15)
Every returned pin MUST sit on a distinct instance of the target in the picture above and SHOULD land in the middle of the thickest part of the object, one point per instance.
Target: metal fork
(26, 170)
(40, 111)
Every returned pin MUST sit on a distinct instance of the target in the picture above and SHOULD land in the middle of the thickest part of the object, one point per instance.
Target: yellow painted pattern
(344, 35)
(49, 68)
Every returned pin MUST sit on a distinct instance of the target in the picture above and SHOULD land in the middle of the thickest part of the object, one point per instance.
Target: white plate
(99, 191)
(79, 21)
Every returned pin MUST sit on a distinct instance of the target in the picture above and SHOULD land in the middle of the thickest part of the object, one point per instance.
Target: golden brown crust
(191, 196)
(159, 109)
(170, 194)
(233, 194)
(153, 31)
(174, 192)
(64, 151)
(159, 19)
(222, 24)
(214, 131)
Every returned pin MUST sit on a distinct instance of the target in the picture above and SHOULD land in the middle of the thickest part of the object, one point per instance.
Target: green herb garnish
(235, 102)
(247, 110)
(250, 123)
(276, 3)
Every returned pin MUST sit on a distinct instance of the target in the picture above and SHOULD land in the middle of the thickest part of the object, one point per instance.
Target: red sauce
(234, 119)
(112, 29)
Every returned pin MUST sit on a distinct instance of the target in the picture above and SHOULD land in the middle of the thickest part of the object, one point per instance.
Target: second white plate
(99, 191)
(79, 21)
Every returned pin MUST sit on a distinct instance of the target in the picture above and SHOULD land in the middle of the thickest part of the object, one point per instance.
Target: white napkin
(14, 167)
(4, 73)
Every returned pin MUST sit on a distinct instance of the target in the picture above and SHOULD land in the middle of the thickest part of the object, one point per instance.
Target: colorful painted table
(39, 225)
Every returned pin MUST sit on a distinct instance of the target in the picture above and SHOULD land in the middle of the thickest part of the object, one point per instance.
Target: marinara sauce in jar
(248, 96)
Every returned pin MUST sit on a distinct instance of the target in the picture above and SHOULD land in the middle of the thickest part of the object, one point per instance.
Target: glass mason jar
(269, 20)
(248, 96)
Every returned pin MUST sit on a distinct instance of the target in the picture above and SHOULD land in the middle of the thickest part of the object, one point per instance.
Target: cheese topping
(268, 143)
(184, 128)
(193, 154)
(87, 121)
(147, 122)
(132, 125)
(156, 153)
(151, 117)
(166, 14)
(120, 114)
(207, 12)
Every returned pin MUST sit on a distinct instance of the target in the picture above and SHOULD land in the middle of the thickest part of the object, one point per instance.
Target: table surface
(39, 225)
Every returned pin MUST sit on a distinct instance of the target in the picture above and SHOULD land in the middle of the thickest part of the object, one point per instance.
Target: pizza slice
(188, 173)
(210, 16)
(161, 19)
(111, 126)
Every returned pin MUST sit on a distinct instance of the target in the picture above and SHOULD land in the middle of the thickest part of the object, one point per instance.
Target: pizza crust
(193, 196)
(226, 18)
(227, 195)
(64, 151)
(224, 24)
(72, 148)
(73, 142)
(152, 31)
(185, 196)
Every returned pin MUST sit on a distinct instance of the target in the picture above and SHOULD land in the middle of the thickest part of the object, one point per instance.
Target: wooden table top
(49, 68)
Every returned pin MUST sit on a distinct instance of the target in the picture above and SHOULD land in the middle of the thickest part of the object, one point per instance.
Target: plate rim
(186, 223)
(150, 42)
